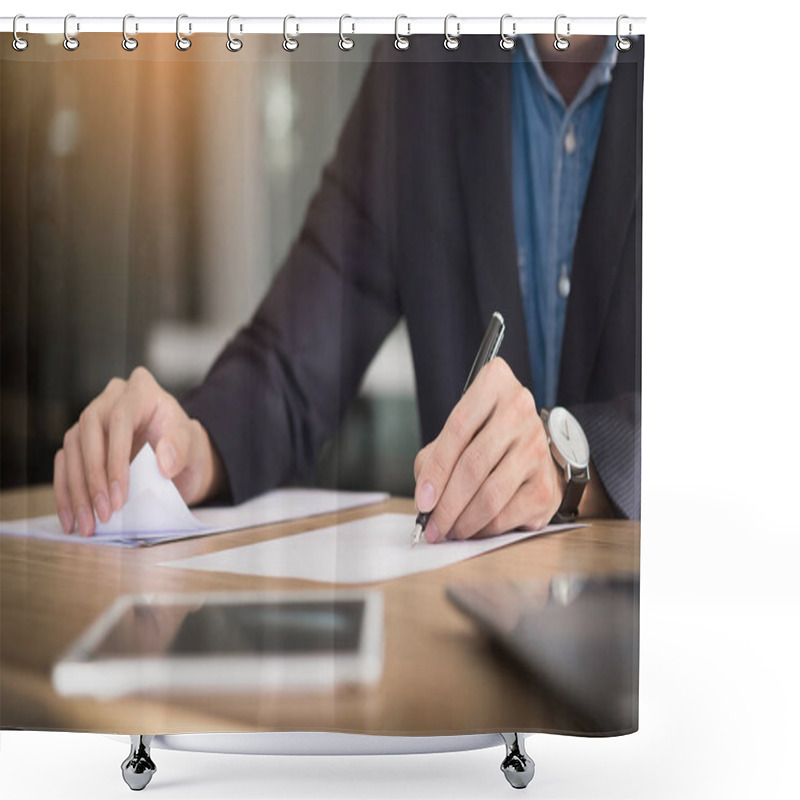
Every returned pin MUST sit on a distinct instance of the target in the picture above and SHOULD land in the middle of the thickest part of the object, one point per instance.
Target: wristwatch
(570, 451)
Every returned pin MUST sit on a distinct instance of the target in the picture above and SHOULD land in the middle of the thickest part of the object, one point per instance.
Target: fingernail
(101, 504)
(66, 520)
(426, 497)
(431, 531)
(116, 496)
(168, 459)
(84, 521)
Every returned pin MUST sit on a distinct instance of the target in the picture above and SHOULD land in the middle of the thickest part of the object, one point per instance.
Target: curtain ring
(345, 43)
(506, 42)
(622, 43)
(401, 42)
(70, 42)
(290, 43)
(451, 42)
(560, 42)
(18, 43)
(233, 44)
(181, 42)
(128, 42)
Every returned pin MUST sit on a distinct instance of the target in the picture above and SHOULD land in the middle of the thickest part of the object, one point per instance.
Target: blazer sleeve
(613, 430)
(281, 386)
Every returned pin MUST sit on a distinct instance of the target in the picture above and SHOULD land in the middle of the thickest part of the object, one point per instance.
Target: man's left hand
(490, 469)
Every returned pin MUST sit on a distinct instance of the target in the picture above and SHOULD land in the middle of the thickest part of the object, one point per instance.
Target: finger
(485, 454)
(528, 458)
(492, 497)
(468, 416)
(61, 492)
(76, 483)
(192, 477)
(172, 450)
(102, 405)
(129, 414)
(531, 507)
(422, 457)
(93, 451)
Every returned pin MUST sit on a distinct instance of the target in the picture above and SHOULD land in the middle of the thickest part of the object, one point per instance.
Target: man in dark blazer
(413, 218)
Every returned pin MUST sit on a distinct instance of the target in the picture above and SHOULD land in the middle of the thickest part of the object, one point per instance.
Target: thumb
(172, 451)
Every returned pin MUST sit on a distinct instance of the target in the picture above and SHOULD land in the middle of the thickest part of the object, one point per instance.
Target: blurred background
(145, 205)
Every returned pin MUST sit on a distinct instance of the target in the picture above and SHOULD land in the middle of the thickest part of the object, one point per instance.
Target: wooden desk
(439, 677)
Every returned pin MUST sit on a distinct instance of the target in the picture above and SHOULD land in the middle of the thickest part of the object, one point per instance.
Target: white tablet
(227, 642)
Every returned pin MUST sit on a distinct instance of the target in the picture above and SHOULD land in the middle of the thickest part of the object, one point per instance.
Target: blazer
(413, 217)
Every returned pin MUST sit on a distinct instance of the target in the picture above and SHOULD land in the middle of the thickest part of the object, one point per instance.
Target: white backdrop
(720, 533)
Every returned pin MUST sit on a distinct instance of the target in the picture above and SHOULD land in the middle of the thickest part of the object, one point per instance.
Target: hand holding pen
(490, 469)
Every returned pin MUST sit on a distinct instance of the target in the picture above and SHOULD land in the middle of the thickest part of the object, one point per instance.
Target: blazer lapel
(607, 214)
(484, 156)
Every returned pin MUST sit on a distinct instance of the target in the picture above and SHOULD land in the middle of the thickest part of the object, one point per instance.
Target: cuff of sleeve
(210, 411)
(612, 430)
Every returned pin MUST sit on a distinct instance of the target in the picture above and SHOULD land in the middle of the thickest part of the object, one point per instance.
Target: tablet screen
(266, 628)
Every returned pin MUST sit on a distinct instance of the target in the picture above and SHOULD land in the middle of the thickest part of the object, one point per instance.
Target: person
(463, 183)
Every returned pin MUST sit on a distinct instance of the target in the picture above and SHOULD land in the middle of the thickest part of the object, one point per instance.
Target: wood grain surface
(440, 676)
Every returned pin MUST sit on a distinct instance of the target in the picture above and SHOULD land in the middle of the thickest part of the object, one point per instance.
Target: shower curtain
(275, 267)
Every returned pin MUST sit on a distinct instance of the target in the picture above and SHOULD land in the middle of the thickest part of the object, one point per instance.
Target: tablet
(227, 642)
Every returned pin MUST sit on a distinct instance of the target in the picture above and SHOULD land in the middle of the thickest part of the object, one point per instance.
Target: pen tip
(416, 535)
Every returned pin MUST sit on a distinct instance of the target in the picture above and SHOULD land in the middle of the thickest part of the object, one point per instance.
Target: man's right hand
(91, 470)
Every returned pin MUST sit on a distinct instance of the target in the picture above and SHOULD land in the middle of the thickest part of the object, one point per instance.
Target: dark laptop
(578, 635)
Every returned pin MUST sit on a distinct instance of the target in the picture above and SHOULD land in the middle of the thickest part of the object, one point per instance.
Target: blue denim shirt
(553, 149)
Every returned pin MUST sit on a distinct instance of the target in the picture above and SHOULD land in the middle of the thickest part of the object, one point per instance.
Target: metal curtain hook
(181, 42)
(18, 43)
(401, 42)
(506, 42)
(128, 42)
(345, 43)
(451, 42)
(290, 43)
(70, 42)
(623, 44)
(560, 42)
(233, 44)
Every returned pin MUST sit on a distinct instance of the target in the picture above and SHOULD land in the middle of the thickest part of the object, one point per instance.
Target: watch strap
(568, 510)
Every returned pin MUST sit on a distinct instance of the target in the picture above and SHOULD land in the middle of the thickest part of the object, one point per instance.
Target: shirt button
(570, 142)
(564, 283)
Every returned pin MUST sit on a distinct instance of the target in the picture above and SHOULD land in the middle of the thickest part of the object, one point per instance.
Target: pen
(486, 352)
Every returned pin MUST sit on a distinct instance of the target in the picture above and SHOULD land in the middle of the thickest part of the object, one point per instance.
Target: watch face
(568, 437)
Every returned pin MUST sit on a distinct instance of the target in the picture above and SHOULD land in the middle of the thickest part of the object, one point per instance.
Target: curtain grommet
(623, 44)
(560, 43)
(290, 43)
(451, 42)
(401, 42)
(345, 42)
(129, 43)
(18, 43)
(506, 42)
(71, 43)
(181, 42)
(233, 44)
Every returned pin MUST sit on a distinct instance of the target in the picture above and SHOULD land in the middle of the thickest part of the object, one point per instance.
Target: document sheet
(363, 551)
(155, 512)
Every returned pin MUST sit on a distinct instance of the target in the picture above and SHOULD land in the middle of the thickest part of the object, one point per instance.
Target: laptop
(576, 635)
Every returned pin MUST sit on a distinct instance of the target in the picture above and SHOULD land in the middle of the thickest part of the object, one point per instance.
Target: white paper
(363, 551)
(155, 512)
(154, 505)
(282, 505)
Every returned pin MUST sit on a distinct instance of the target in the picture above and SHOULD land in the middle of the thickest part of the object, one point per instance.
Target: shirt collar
(599, 75)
